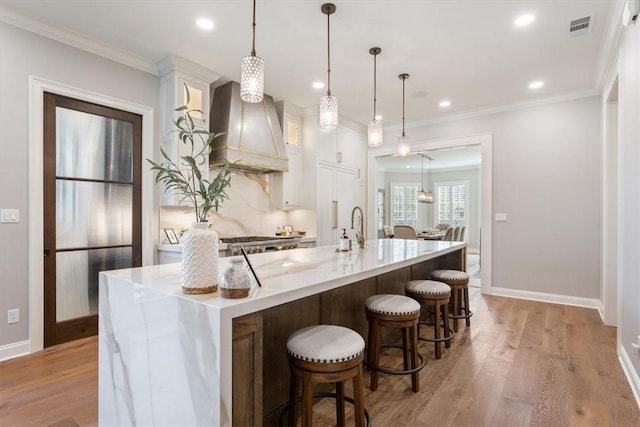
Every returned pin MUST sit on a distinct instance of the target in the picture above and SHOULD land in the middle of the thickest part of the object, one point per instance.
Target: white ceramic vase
(235, 282)
(200, 260)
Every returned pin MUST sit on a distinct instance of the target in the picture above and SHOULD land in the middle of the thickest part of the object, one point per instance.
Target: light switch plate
(501, 217)
(9, 215)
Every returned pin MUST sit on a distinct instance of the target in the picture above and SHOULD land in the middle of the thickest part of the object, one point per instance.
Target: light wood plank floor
(520, 363)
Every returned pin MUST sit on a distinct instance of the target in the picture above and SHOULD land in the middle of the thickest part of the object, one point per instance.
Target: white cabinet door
(351, 148)
(326, 146)
(337, 193)
(286, 187)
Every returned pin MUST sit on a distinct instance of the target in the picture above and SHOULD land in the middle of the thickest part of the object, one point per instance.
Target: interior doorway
(92, 208)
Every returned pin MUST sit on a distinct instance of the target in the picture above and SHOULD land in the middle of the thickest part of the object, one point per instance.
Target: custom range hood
(253, 141)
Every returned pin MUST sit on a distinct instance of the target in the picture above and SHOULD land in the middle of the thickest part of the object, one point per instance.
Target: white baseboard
(630, 372)
(544, 297)
(473, 251)
(16, 349)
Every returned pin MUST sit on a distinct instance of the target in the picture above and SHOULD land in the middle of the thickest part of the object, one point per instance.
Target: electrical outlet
(13, 316)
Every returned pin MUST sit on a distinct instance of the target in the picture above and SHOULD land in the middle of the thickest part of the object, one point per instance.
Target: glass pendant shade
(428, 197)
(422, 196)
(403, 146)
(374, 133)
(252, 79)
(328, 113)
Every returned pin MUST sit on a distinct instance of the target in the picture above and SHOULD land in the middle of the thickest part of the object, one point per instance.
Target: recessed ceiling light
(445, 103)
(204, 23)
(536, 85)
(524, 20)
(318, 85)
(378, 117)
(407, 167)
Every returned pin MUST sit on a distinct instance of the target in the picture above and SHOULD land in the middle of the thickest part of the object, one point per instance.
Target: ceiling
(447, 158)
(469, 52)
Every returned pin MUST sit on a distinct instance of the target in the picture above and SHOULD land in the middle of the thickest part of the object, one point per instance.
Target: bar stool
(397, 312)
(459, 282)
(435, 295)
(326, 354)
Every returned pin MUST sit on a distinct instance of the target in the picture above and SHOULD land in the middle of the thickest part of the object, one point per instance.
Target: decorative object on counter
(171, 236)
(403, 140)
(425, 196)
(288, 229)
(374, 130)
(200, 260)
(328, 103)
(252, 71)
(200, 244)
(301, 232)
(235, 282)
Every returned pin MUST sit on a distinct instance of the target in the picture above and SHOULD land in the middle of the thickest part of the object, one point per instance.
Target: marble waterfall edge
(153, 370)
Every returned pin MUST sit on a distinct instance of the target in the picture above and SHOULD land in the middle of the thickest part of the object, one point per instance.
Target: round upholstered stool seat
(396, 312)
(395, 305)
(325, 344)
(450, 277)
(459, 282)
(434, 297)
(326, 354)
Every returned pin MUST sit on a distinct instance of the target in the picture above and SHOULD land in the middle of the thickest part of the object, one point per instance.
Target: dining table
(431, 236)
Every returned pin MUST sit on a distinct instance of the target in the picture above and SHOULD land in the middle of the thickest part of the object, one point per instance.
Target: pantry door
(92, 209)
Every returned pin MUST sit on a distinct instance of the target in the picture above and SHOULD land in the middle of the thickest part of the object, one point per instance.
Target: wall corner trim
(630, 372)
(15, 349)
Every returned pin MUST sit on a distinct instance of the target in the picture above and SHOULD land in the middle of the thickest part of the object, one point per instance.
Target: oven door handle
(334, 214)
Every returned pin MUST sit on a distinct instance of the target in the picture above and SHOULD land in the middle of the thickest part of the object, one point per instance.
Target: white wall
(629, 250)
(22, 54)
(426, 212)
(546, 162)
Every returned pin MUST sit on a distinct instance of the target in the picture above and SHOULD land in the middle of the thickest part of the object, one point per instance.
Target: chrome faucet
(360, 234)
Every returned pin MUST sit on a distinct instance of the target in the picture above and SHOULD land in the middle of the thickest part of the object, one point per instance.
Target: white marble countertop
(297, 273)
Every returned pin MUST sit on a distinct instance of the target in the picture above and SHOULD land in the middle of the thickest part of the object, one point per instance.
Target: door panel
(92, 208)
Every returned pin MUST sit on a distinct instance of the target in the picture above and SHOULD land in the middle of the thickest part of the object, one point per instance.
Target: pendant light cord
(422, 174)
(403, 134)
(253, 42)
(374, 86)
(328, 56)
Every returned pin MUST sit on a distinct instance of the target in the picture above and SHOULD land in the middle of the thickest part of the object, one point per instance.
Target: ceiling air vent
(580, 26)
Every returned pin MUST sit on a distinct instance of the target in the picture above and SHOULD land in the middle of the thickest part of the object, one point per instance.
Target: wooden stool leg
(358, 397)
(445, 323)
(465, 291)
(340, 403)
(374, 347)
(415, 377)
(456, 307)
(405, 349)
(307, 401)
(437, 333)
(293, 397)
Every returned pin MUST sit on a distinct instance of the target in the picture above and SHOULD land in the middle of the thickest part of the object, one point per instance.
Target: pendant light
(429, 194)
(403, 140)
(422, 196)
(375, 125)
(328, 103)
(252, 71)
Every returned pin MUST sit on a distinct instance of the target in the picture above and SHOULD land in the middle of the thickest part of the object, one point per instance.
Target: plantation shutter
(404, 202)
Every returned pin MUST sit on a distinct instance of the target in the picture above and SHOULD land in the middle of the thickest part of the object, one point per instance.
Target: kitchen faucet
(360, 234)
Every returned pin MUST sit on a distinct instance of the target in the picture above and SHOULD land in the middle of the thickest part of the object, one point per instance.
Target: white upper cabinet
(286, 187)
(343, 146)
(176, 73)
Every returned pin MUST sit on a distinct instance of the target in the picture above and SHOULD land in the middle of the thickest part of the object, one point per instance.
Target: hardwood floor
(520, 363)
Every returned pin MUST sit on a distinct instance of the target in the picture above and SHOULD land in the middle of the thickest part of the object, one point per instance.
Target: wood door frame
(37, 87)
(485, 140)
(55, 331)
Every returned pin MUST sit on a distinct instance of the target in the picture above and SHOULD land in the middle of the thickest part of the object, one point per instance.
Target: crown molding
(176, 63)
(77, 40)
(485, 111)
(609, 46)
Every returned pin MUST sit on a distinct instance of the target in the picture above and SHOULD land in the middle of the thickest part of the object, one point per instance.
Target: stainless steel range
(256, 244)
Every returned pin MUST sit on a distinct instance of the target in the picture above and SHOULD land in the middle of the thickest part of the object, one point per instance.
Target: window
(404, 204)
(452, 199)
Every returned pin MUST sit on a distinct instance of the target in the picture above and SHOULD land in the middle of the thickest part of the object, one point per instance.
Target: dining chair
(449, 235)
(387, 232)
(456, 234)
(403, 231)
(463, 232)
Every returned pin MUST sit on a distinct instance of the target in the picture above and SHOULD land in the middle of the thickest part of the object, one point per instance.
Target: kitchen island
(166, 358)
